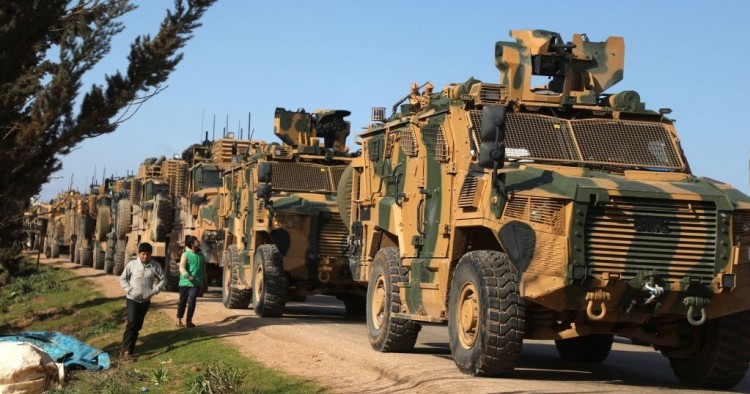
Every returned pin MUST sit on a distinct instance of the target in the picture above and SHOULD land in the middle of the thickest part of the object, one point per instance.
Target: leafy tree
(46, 47)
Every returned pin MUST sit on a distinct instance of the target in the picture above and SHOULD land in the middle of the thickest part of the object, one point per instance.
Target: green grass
(169, 360)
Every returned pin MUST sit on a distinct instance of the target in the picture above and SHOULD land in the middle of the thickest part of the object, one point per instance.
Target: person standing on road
(138, 282)
(192, 279)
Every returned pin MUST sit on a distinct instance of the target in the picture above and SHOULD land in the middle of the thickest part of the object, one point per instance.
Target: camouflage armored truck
(283, 235)
(514, 212)
(35, 225)
(62, 226)
(197, 203)
(151, 206)
(104, 235)
(114, 225)
(85, 215)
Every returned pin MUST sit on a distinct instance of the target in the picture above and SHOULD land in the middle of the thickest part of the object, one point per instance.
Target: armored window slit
(434, 140)
(620, 142)
(406, 142)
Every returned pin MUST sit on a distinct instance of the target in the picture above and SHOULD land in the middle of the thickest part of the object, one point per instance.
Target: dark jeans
(187, 295)
(136, 313)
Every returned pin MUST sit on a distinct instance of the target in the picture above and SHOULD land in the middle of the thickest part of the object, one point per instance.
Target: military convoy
(507, 211)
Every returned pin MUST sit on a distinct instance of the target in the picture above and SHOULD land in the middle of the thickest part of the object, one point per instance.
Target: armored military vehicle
(35, 225)
(151, 210)
(85, 215)
(283, 236)
(62, 226)
(111, 226)
(197, 204)
(511, 212)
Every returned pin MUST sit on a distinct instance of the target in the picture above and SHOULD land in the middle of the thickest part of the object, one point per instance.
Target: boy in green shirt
(192, 278)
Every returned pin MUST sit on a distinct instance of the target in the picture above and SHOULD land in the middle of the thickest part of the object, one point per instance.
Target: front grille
(332, 237)
(674, 239)
(537, 209)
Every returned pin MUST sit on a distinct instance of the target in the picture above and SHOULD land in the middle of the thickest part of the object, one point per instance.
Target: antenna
(213, 133)
(203, 114)
(239, 126)
(249, 122)
(226, 129)
(70, 186)
(104, 175)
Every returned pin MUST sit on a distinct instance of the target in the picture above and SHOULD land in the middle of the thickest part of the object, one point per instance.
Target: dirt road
(314, 341)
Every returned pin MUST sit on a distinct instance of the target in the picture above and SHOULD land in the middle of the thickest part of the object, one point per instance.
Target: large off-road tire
(269, 282)
(75, 248)
(232, 296)
(593, 348)
(486, 319)
(47, 248)
(163, 218)
(109, 254)
(87, 255)
(119, 262)
(724, 355)
(344, 196)
(99, 254)
(103, 223)
(54, 250)
(124, 218)
(386, 332)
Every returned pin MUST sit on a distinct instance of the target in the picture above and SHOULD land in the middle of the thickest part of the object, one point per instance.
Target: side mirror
(493, 123)
(263, 192)
(264, 172)
(492, 154)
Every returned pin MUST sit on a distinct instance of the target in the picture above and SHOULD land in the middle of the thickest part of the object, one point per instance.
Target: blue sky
(254, 56)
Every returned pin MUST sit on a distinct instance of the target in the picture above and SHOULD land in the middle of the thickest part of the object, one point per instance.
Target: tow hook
(324, 270)
(654, 290)
(597, 296)
(696, 302)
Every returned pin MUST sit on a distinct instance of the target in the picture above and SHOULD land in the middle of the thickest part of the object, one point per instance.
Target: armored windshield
(614, 142)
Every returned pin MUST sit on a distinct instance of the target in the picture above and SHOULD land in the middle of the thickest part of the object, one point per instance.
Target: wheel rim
(258, 285)
(378, 302)
(468, 315)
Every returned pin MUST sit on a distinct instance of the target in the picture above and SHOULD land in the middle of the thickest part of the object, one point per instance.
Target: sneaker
(190, 324)
(179, 323)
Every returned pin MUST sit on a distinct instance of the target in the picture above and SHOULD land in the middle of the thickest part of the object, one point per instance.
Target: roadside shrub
(216, 378)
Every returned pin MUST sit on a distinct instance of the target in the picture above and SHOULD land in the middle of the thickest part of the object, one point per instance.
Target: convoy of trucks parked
(504, 211)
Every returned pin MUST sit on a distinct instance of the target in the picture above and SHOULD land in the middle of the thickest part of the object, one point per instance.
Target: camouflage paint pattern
(301, 216)
(197, 209)
(596, 199)
(152, 201)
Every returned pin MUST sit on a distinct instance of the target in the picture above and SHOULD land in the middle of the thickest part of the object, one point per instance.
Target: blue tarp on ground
(65, 349)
